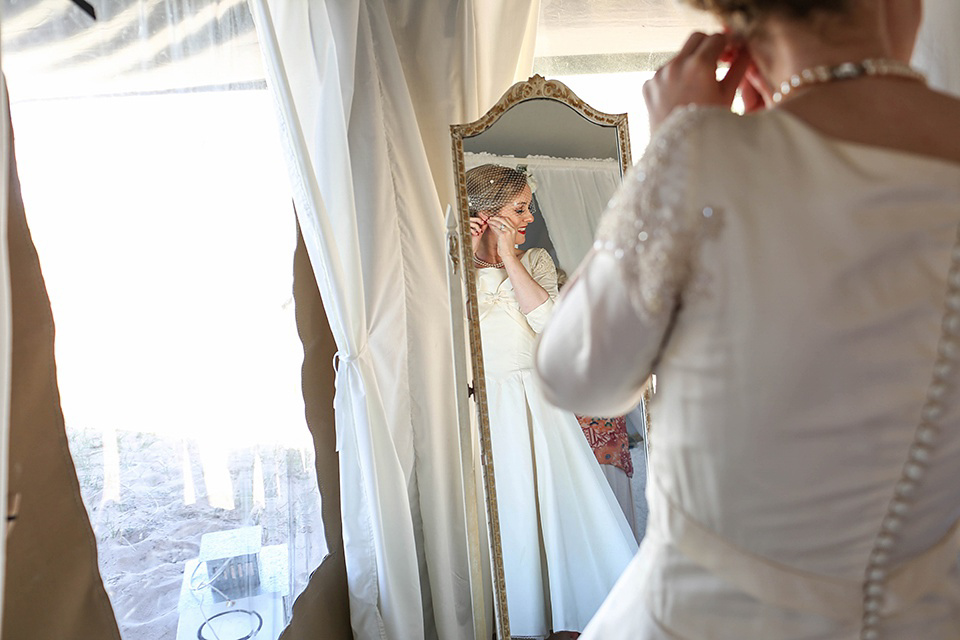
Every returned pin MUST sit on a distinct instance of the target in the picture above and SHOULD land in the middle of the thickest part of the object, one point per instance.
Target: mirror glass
(535, 174)
(573, 167)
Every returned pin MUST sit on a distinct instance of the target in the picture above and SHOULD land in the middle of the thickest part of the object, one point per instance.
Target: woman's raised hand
(506, 234)
(691, 76)
(755, 92)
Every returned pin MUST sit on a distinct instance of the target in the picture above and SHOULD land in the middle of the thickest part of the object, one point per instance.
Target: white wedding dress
(565, 539)
(799, 299)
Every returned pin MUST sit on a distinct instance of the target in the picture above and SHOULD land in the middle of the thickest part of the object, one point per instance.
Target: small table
(262, 606)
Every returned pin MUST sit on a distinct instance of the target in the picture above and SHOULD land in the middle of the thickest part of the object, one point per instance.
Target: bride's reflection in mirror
(565, 540)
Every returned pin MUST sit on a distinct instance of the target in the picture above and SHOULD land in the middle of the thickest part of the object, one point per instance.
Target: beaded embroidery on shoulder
(651, 226)
(539, 260)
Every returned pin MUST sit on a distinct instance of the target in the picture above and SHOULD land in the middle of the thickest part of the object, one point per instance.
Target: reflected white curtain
(366, 91)
(937, 53)
(572, 194)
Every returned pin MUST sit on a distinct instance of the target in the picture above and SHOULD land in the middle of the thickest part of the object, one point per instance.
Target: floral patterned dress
(608, 439)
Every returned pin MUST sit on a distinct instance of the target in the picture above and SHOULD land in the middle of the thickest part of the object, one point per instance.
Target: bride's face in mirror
(500, 199)
(516, 214)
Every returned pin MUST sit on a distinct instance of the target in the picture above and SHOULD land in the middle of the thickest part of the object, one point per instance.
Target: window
(165, 230)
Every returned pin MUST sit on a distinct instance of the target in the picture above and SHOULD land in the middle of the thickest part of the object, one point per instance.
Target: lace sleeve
(651, 226)
(609, 327)
(544, 271)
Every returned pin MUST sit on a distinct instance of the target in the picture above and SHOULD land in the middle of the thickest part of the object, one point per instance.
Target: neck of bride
(782, 47)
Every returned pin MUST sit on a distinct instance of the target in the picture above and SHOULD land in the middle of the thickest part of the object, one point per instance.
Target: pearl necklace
(846, 71)
(484, 263)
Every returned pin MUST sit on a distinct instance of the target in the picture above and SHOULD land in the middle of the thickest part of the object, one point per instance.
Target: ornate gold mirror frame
(536, 88)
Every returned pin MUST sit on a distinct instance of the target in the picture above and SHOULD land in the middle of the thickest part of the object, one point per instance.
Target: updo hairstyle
(745, 16)
(490, 187)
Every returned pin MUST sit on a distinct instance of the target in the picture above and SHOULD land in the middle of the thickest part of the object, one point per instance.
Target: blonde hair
(746, 15)
(490, 187)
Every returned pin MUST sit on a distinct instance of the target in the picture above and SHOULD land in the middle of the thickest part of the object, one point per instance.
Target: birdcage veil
(490, 187)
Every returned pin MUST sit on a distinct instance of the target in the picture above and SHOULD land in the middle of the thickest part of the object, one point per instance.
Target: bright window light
(620, 92)
(166, 235)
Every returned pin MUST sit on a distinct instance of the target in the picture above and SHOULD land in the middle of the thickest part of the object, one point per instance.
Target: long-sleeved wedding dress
(799, 298)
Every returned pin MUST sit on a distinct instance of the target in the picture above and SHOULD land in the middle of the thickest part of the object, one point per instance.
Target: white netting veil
(490, 187)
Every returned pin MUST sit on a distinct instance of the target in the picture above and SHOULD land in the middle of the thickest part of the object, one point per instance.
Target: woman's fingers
(500, 225)
(738, 70)
(752, 100)
(691, 76)
(711, 48)
(691, 44)
(756, 94)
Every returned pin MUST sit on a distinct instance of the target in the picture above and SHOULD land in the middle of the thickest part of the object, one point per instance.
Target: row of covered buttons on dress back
(925, 439)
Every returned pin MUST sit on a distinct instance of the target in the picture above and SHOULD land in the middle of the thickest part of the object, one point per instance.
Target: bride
(565, 540)
(793, 277)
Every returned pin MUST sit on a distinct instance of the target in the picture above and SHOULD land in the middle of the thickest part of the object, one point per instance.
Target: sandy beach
(148, 533)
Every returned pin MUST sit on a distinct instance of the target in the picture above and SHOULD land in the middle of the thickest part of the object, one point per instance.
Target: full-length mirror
(534, 176)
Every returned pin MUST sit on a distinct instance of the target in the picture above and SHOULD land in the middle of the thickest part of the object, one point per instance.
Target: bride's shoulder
(684, 123)
(692, 119)
(536, 254)
(537, 258)
(677, 151)
(692, 130)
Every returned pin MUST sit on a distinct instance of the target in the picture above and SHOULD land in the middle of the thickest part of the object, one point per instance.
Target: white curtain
(572, 194)
(938, 48)
(366, 91)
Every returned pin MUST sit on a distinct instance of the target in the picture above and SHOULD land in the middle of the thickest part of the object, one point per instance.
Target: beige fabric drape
(6, 326)
(53, 589)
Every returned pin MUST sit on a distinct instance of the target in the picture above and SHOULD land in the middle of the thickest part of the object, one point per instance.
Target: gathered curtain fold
(365, 93)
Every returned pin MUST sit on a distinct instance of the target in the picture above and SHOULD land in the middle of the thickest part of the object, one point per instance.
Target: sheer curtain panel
(937, 53)
(365, 93)
(155, 193)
